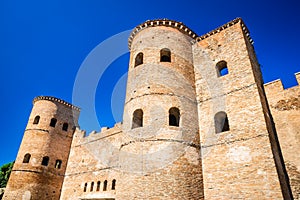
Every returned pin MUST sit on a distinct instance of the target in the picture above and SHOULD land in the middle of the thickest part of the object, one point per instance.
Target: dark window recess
(137, 118)
(113, 184)
(65, 127)
(36, 120)
(45, 161)
(58, 164)
(85, 187)
(221, 122)
(26, 158)
(139, 59)
(98, 186)
(92, 186)
(105, 185)
(53, 122)
(165, 55)
(222, 69)
(174, 116)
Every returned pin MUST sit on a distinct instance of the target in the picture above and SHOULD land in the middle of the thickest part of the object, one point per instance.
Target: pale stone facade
(190, 130)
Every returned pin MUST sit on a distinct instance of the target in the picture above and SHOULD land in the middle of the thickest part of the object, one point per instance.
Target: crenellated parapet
(162, 22)
(277, 86)
(285, 110)
(225, 26)
(49, 98)
(283, 99)
(81, 137)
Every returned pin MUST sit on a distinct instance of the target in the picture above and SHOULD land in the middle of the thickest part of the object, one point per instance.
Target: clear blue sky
(43, 44)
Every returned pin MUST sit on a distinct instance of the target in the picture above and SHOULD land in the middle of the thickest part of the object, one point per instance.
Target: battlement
(49, 98)
(225, 26)
(277, 86)
(197, 124)
(82, 137)
(162, 22)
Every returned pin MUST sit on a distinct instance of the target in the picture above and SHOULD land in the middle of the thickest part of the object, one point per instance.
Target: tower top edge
(54, 99)
(161, 22)
(225, 26)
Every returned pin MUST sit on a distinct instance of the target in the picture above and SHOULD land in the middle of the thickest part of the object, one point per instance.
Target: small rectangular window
(45, 161)
(53, 122)
(58, 164)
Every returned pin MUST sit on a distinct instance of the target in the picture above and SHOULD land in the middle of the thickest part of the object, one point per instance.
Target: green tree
(5, 171)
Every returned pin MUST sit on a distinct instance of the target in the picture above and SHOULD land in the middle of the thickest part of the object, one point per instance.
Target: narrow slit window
(36, 119)
(222, 69)
(85, 187)
(221, 122)
(98, 186)
(45, 161)
(165, 55)
(92, 187)
(174, 116)
(139, 59)
(105, 185)
(26, 158)
(113, 184)
(65, 127)
(137, 118)
(53, 122)
(58, 164)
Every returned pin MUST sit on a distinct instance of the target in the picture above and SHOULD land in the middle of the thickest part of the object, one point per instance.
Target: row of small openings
(165, 56)
(113, 186)
(52, 123)
(220, 118)
(45, 161)
(137, 118)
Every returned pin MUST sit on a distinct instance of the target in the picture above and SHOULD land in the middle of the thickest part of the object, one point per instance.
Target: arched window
(221, 122)
(139, 59)
(36, 119)
(58, 164)
(92, 186)
(85, 187)
(165, 55)
(137, 119)
(105, 185)
(222, 68)
(26, 158)
(53, 122)
(45, 161)
(98, 186)
(65, 127)
(113, 184)
(174, 116)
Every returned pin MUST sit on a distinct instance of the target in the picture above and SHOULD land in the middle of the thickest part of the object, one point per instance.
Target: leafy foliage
(5, 171)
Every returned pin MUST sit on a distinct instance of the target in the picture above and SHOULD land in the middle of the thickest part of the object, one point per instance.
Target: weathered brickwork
(34, 177)
(284, 106)
(197, 124)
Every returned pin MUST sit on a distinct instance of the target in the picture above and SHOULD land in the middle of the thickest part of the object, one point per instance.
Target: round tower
(41, 162)
(160, 115)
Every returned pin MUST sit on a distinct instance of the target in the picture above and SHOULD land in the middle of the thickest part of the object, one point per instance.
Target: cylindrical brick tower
(160, 119)
(40, 165)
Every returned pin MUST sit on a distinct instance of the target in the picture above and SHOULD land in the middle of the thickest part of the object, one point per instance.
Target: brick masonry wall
(110, 155)
(237, 163)
(285, 108)
(32, 180)
(159, 161)
(155, 161)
